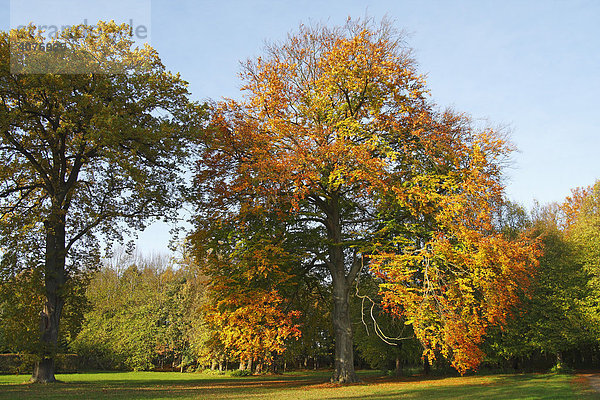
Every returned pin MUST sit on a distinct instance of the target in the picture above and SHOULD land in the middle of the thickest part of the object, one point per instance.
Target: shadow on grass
(529, 386)
(308, 385)
(157, 385)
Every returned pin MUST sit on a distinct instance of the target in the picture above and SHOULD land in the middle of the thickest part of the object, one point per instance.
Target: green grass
(298, 385)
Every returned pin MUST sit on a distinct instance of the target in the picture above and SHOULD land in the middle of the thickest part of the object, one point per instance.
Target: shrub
(241, 372)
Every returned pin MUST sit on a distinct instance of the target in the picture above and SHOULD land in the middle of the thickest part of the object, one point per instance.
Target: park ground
(298, 385)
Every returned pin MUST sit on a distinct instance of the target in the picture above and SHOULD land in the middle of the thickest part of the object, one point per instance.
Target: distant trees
(142, 315)
(145, 314)
(584, 231)
(131, 316)
(556, 322)
(87, 153)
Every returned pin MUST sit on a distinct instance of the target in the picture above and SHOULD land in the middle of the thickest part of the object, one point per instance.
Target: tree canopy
(338, 140)
(93, 152)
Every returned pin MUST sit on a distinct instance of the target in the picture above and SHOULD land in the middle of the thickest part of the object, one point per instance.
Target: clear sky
(533, 66)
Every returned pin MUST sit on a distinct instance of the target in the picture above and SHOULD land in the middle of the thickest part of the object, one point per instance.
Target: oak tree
(97, 149)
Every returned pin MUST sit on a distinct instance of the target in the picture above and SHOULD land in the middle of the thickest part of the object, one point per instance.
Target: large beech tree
(98, 151)
(337, 136)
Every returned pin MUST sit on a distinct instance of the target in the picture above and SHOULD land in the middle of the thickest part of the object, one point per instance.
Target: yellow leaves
(463, 278)
(458, 288)
(255, 326)
(341, 114)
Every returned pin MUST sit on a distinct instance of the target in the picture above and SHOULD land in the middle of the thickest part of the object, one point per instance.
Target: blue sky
(533, 66)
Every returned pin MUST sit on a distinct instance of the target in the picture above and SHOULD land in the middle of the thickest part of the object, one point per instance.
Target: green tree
(84, 154)
(551, 318)
(136, 318)
(584, 233)
(554, 317)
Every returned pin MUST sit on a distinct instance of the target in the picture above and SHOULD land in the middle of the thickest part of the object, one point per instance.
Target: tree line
(139, 312)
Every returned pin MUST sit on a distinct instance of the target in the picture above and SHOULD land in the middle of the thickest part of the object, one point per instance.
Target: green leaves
(136, 315)
(93, 146)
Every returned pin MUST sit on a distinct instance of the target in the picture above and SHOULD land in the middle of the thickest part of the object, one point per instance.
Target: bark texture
(344, 352)
(341, 281)
(55, 277)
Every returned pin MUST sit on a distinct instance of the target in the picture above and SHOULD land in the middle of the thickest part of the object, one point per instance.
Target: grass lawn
(297, 385)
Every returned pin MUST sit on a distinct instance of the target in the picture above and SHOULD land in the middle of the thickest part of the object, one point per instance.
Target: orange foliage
(339, 119)
(252, 325)
(462, 277)
(245, 313)
(571, 207)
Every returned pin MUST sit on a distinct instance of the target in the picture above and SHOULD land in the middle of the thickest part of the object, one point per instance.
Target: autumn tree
(246, 312)
(97, 152)
(336, 134)
(557, 318)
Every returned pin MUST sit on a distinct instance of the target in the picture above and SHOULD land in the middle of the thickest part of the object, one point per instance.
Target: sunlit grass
(298, 385)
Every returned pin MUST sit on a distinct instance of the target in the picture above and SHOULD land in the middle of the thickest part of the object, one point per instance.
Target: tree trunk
(54, 275)
(398, 371)
(426, 366)
(43, 371)
(344, 352)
